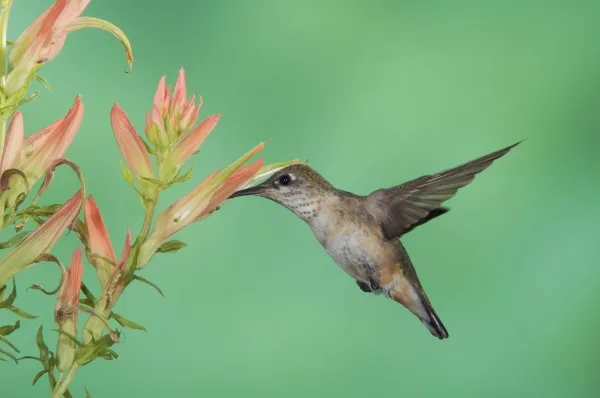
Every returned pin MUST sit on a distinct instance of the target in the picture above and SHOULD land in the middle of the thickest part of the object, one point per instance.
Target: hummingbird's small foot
(370, 287)
(364, 287)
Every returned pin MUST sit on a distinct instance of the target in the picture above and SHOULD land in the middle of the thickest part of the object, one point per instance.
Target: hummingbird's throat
(303, 206)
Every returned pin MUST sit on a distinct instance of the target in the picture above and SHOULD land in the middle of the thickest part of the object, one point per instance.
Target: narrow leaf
(39, 375)
(182, 178)
(8, 343)
(127, 175)
(8, 329)
(8, 354)
(87, 393)
(44, 82)
(44, 352)
(21, 313)
(154, 181)
(15, 240)
(126, 323)
(70, 337)
(11, 298)
(147, 282)
(171, 246)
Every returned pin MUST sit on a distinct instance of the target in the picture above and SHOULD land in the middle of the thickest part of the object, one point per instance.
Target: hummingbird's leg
(370, 287)
(375, 286)
(364, 287)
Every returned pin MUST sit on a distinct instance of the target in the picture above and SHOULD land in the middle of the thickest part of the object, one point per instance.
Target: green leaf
(39, 375)
(171, 246)
(11, 298)
(154, 181)
(88, 294)
(8, 343)
(127, 175)
(8, 354)
(147, 282)
(148, 147)
(15, 240)
(44, 82)
(70, 337)
(21, 313)
(182, 178)
(45, 354)
(126, 323)
(8, 329)
(93, 350)
(29, 98)
(87, 393)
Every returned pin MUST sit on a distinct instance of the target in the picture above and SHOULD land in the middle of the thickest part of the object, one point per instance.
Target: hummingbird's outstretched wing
(399, 209)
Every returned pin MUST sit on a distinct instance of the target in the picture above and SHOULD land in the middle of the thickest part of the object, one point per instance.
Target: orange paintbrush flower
(43, 40)
(13, 144)
(197, 204)
(101, 253)
(49, 144)
(41, 240)
(65, 314)
(131, 145)
(171, 116)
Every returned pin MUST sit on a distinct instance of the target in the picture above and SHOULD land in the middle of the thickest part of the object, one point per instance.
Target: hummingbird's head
(297, 187)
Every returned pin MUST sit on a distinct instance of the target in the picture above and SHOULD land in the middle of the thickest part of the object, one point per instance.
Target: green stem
(149, 214)
(148, 218)
(4, 11)
(62, 386)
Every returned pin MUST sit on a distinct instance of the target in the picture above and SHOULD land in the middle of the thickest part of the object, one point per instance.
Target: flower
(47, 145)
(11, 154)
(65, 314)
(172, 116)
(131, 145)
(100, 250)
(41, 240)
(101, 254)
(200, 202)
(43, 40)
(33, 155)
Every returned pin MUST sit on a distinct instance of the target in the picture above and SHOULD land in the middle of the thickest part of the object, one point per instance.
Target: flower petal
(41, 240)
(233, 183)
(99, 241)
(126, 251)
(11, 154)
(190, 114)
(161, 95)
(133, 149)
(55, 143)
(192, 141)
(38, 138)
(68, 296)
(179, 94)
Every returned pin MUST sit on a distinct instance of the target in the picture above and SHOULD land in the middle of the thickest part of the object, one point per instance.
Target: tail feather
(434, 324)
(417, 302)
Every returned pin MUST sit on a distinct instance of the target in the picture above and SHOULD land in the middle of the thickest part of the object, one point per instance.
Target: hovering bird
(361, 233)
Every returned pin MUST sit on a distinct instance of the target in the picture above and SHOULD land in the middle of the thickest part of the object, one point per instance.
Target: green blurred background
(372, 93)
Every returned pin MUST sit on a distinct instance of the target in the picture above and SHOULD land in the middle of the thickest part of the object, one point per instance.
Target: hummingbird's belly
(355, 252)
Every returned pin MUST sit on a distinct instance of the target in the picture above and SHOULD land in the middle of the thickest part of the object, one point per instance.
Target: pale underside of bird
(362, 233)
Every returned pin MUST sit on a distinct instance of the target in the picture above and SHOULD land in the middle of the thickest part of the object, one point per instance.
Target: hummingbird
(362, 233)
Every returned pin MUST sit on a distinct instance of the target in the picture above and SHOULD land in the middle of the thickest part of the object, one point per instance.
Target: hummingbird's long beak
(257, 190)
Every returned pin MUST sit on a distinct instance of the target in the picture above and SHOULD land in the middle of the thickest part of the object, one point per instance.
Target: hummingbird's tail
(435, 325)
(414, 298)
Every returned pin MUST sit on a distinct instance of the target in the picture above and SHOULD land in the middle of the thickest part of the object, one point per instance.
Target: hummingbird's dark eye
(285, 179)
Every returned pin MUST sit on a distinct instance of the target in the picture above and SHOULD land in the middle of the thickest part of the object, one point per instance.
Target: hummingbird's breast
(350, 239)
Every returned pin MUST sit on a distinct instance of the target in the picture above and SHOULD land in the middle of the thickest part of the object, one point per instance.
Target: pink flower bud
(131, 145)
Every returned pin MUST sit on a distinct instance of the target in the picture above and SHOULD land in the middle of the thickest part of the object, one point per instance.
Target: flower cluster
(152, 164)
